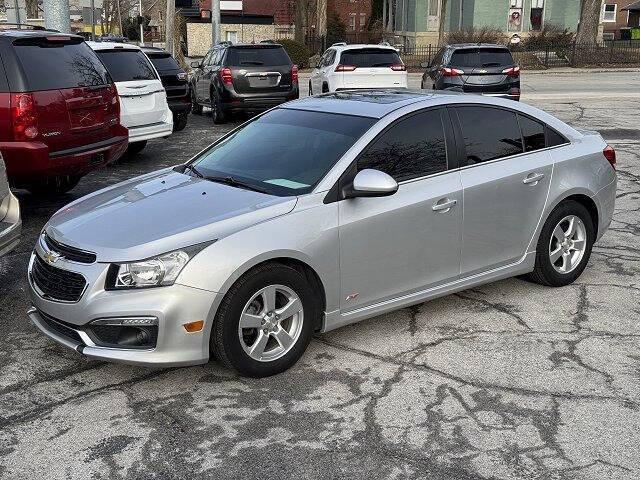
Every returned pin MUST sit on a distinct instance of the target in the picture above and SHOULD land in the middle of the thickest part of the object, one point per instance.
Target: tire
(573, 256)
(53, 185)
(196, 108)
(244, 296)
(217, 114)
(135, 148)
(181, 122)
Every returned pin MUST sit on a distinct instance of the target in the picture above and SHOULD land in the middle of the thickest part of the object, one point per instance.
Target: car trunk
(259, 69)
(482, 77)
(371, 68)
(75, 102)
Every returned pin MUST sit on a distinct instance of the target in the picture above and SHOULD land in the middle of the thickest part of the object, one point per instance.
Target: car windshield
(247, 56)
(284, 152)
(370, 57)
(483, 57)
(127, 65)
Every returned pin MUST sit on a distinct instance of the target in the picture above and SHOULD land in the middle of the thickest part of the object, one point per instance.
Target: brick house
(355, 14)
(617, 15)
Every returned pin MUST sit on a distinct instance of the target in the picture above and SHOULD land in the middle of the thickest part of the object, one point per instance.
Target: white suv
(143, 100)
(344, 67)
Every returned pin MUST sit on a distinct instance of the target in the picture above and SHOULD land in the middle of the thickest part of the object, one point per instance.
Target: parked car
(144, 108)
(344, 67)
(175, 82)
(384, 200)
(59, 111)
(243, 78)
(10, 222)
(474, 68)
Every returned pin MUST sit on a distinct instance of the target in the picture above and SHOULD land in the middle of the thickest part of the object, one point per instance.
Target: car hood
(158, 213)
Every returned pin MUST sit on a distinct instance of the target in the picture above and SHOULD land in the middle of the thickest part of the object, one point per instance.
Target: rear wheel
(196, 108)
(180, 122)
(136, 147)
(265, 321)
(53, 185)
(325, 88)
(564, 246)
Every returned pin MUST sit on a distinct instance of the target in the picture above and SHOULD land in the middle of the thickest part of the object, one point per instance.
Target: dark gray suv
(474, 68)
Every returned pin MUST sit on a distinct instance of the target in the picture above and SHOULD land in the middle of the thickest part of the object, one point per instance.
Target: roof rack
(339, 44)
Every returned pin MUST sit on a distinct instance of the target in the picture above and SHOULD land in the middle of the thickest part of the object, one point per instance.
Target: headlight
(153, 272)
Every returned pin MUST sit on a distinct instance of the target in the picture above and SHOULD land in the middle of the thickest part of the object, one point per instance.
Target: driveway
(505, 381)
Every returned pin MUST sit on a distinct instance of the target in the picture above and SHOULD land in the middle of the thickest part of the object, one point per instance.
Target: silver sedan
(10, 222)
(315, 215)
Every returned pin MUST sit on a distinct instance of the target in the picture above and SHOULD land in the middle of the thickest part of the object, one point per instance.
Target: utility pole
(215, 22)
(56, 15)
(141, 25)
(93, 20)
(169, 26)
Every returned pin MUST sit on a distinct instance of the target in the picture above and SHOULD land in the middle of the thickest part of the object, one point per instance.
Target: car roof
(12, 34)
(112, 46)
(155, 50)
(354, 46)
(456, 46)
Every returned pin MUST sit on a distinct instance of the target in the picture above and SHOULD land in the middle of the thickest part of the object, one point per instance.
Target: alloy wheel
(568, 244)
(271, 323)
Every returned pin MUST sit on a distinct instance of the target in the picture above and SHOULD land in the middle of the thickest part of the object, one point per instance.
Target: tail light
(451, 72)
(398, 67)
(512, 72)
(610, 154)
(226, 76)
(24, 117)
(115, 100)
(294, 74)
(345, 68)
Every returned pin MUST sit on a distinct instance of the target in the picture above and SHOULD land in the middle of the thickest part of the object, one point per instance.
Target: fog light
(193, 327)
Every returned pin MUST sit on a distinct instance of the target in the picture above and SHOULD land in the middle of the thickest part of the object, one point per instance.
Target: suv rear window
(127, 65)
(258, 56)
(481, 57)
(163, 62)
(370, 57)
(50, 65)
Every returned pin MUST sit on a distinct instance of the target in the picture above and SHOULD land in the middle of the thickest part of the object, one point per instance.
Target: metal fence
(609, 53)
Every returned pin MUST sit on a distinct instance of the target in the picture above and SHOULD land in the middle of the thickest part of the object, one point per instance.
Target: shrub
(476, 35)
(551, 36)
(298, 52)
(336, 29)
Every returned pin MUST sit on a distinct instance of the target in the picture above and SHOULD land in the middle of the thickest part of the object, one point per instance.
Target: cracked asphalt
(505, 381)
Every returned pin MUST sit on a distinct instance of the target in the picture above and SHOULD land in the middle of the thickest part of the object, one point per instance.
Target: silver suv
(315, 215)
(10, 222)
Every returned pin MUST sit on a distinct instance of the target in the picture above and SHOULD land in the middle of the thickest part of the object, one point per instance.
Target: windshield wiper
(193, 169)
(491, 64)
(227, 180)
(251, 62)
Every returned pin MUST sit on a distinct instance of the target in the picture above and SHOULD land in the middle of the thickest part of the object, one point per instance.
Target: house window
(609, 12)
(536, 16)
(363, 21)
(515, 3)
(232, 36)
(352, 21)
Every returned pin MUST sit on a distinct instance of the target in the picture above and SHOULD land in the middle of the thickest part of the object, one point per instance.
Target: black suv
(474, 68)
(234, 78)
(175, 82)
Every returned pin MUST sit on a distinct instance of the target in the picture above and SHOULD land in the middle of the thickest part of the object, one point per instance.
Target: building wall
(348, 8)
(622, 17)
(199, 35)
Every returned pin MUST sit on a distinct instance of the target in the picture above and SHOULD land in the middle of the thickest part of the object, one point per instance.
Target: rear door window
(413, 147)
(58, 64)
(257, 56)
(370, 57)
(532, 134)
(489, 133)
(127, 65)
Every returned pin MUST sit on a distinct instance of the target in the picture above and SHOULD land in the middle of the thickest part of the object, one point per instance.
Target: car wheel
(136, 147)
(217, 114)
(196, 108)
(310, 90)
(564, 246)
(181, 122)
(265, 321)
(53, 185)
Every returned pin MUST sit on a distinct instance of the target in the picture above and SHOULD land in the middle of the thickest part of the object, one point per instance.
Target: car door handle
(533, 178)
(443, 205)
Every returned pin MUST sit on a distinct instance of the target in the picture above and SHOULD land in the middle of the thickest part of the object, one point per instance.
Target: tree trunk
(32, 9)
(589, 21)
(441, 26)
(301, 18)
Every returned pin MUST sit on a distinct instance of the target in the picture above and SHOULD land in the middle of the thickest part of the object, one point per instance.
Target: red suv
(59, 111)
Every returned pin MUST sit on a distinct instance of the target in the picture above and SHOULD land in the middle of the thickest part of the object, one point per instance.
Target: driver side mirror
(196, 64)
(371, 183)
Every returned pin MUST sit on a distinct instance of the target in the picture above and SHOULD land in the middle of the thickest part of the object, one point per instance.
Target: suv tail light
(512, 72)
(451, 72)
(115, 100)
(398, 67)
(226, 76)
(345, 68)
(24, 116)
(294, 74)
(610, 154)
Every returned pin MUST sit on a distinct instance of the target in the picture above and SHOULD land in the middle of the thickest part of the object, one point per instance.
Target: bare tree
(589, 21)
(441, 26)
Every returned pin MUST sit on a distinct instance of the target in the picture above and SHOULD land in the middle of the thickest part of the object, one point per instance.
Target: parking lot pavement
(506, 381)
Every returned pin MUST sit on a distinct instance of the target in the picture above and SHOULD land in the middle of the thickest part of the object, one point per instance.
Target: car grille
(56, 283)
(70, 253)
(60, 328)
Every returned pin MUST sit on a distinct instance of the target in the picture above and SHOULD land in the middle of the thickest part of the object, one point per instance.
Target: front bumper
(10, 224)
(173, 306)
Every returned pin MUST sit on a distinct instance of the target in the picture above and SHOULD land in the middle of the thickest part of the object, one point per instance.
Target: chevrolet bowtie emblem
(51, 257)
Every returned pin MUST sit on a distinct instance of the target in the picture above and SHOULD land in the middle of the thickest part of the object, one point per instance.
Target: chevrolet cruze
(317, 214)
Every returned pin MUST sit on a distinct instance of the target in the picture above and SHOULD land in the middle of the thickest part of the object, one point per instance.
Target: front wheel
(265, 321)
(564, 246)
(196, 108)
